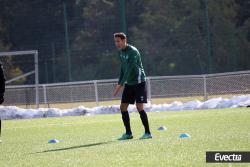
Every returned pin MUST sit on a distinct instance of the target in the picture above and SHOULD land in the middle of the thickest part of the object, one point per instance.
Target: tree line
(75, 37)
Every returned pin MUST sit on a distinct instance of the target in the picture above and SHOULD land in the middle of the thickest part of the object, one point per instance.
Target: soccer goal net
(21, 68)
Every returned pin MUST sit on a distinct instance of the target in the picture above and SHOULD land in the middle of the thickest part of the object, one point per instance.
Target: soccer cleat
(126, 136)
(146, 136)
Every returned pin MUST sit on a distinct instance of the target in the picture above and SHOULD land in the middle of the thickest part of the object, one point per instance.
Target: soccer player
(132, 78)
(2, 90)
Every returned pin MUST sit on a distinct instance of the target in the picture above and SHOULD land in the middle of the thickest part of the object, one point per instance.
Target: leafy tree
(172, 36)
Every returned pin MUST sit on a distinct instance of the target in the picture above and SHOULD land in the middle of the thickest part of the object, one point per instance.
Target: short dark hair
(120, 35)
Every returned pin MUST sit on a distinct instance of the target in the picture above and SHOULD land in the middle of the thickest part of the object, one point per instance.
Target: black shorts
(132, 93)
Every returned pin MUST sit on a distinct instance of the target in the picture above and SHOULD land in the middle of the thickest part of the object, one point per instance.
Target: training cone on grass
(53, 141)
(162, 128)
(184, 135)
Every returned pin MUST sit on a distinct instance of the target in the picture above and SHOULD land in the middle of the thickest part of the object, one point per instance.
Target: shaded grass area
(91, 140)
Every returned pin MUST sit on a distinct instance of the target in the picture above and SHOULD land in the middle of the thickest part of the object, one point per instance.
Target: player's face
(120, 43)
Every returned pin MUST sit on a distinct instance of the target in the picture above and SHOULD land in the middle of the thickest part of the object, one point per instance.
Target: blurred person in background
(2, 90)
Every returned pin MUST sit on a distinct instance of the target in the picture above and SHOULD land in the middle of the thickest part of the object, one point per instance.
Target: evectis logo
(228, 157)
(223, 157)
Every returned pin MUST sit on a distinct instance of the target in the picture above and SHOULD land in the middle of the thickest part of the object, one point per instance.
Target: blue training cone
(53, 141)
(184, 135)
(162, 128)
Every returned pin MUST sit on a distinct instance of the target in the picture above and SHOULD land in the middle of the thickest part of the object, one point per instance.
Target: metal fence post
(45, 95)
(149, 89)
(205, 87)
(36, 79)
(123, 16)
(96, 93)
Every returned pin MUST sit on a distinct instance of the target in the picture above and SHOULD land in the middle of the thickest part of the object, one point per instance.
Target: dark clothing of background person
(2, 84)
(2, 90)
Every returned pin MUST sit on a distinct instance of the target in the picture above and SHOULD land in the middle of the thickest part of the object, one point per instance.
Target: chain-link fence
(168, 88)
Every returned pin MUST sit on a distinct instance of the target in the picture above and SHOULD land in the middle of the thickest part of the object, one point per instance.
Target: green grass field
(91, 140)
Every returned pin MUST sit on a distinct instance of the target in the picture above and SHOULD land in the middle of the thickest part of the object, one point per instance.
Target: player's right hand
(1, 98)
(117, 89)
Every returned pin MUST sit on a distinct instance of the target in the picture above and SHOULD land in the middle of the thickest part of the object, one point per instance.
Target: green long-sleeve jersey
(132, 71)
